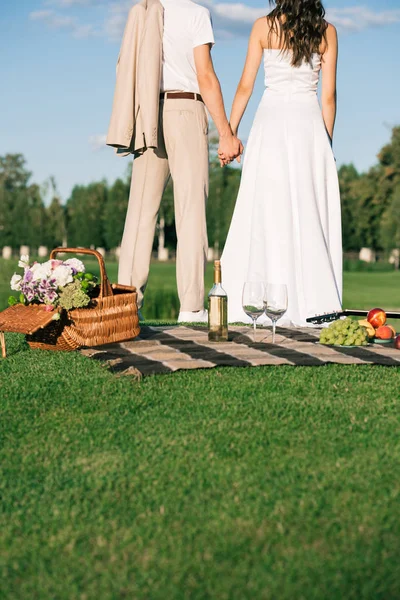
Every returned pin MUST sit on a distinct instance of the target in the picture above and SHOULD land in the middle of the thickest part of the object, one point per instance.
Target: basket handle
(105, 286)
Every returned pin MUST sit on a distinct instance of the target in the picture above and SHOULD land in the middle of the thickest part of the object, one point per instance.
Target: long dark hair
(300, 26)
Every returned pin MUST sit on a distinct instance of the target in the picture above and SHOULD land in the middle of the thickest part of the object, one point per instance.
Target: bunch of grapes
(344, 332)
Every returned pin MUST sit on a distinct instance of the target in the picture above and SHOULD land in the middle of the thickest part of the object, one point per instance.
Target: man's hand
(230, 147)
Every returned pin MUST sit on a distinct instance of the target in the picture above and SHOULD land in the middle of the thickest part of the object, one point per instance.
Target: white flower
(63, 275)
(41, 271)
(15, 282)
(75, 264)
(24, 261)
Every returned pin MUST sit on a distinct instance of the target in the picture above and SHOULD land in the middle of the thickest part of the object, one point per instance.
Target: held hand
(229, 149)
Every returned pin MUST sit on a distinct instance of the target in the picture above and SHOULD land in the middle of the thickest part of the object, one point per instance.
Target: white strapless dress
(286, 226)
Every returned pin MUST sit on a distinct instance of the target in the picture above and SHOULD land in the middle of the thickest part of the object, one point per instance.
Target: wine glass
(253, 300)
(275, 303)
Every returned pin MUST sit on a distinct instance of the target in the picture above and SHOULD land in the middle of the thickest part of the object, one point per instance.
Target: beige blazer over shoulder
(134, 119)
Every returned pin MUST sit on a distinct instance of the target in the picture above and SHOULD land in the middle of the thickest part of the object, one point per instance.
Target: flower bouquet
(57, 284)
(63, 307)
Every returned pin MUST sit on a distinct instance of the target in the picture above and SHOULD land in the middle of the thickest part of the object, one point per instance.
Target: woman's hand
(224, 157)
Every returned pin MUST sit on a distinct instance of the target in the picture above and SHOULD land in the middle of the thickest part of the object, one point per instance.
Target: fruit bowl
(347, 346)
(378, 341)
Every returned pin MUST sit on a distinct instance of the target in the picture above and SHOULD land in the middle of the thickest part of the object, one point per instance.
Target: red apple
(397, 342)
(377, 317)
(384, 333)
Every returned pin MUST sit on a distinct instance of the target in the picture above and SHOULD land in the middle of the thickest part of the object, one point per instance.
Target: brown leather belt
(181, 96)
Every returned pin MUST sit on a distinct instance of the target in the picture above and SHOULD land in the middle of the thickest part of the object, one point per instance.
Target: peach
(377, 317)
(384, 333)
(397, 342)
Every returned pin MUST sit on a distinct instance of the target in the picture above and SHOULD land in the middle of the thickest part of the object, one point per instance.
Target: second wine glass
(253, 300)
(275, 303)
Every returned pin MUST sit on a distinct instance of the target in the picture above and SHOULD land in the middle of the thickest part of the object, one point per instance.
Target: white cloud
(98, 142)
(84, 31)
(68, 3)
(61, 21)
(357, 18)
(41, 15)
(237, 12)
(52, 19)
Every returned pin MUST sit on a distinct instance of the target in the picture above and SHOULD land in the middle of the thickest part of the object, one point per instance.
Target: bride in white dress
(286, 227)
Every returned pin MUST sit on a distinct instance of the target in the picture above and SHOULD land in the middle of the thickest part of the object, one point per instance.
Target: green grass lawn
(260, 483)
(236, 483)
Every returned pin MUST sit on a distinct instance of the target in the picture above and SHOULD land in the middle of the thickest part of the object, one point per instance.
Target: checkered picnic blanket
(169, 348)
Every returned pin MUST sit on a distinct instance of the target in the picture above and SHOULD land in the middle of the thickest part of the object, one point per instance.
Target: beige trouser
(183, 154)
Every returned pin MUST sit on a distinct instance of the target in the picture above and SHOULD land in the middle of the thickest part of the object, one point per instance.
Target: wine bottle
(217, 309)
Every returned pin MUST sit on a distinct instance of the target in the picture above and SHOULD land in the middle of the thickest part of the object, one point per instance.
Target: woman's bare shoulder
(263, 28)
(261, 25)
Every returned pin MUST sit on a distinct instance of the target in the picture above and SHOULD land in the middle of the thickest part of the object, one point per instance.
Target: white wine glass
(253, 301)
(275, 303)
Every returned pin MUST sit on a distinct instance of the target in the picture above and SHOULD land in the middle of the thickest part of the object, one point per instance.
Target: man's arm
(210, 90)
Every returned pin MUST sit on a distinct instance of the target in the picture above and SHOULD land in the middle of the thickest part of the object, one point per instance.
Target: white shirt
(186, 25)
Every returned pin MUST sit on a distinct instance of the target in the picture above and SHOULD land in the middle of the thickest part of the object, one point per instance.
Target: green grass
(273, 482)
(367, 290)
(236, 483)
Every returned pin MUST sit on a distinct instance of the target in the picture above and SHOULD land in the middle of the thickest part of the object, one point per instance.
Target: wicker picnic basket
(112, 316)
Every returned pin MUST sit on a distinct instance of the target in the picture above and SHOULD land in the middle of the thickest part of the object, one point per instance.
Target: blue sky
(58, 73)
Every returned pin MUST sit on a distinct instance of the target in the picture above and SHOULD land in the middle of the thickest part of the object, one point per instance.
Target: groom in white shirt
(188, 85)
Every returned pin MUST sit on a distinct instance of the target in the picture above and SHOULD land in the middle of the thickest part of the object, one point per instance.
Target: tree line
(94, 214)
